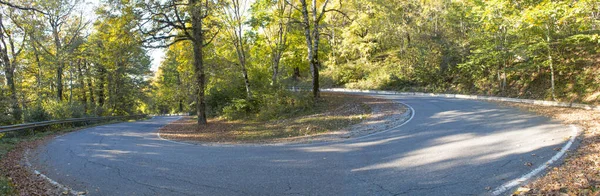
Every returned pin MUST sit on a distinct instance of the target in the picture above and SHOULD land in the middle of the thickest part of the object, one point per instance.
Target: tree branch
(21, 7)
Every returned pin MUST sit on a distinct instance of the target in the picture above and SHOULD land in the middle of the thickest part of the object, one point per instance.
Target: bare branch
(21, 7)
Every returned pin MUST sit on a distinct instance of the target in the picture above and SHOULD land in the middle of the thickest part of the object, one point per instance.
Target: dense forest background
(238, 58)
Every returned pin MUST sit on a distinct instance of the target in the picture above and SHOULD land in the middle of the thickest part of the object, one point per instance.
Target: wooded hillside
(236, 58)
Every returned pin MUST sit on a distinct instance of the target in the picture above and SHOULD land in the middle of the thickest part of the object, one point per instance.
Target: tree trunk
(238, 38)
(82, 86)
(275, 67)
(89, 83)
(198, 44)
(315, 60)
(59, 84)
(59, 63)
(70, 81)
(101, 93)
(309, 45)
(9, 72)
(312, 40)
(39, 73)
(550, 63)
(296, 74)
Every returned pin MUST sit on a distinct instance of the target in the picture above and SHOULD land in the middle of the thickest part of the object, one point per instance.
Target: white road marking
(38, 173)
(511, 184)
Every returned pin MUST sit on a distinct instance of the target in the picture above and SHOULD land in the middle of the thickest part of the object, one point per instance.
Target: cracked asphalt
(450, 147)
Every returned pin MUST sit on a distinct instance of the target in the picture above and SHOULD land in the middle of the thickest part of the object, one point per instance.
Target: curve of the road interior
(450, 147)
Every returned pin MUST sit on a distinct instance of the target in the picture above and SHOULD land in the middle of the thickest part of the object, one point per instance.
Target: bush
(37, 114)
(282, 103)
(269, 105)
(240, 108)
(219, 98)
(64, 110)
(55, 110)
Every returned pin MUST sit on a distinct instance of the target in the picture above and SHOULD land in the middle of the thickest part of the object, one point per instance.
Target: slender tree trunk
(39, 73)
(70, 81)
(296, 74)
(275, 67)
(238, 38)
(309, 44)
(550, 63)
(101, 93)
(315, 60)
(246, 82)
(198, 44)
(312, 40)
(89, 83)
(82, 86)
(59, 63)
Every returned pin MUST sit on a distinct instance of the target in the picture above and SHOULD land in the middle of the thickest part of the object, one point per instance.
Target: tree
(174, 21)
(311, 23)
(58, 15)
(10, 51)
(234, 19)
(273, 19)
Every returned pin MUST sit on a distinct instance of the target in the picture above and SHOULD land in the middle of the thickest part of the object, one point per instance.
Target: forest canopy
(238, 58)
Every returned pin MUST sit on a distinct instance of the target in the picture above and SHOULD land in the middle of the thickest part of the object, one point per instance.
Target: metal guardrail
(25, 126)
(474, 97)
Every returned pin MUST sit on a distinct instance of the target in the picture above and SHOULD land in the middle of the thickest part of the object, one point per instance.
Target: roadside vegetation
(333, 112)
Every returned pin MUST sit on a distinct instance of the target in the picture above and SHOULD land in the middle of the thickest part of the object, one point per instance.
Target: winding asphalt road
(450, 147)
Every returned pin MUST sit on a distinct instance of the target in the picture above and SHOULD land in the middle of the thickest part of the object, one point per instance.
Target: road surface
(450, 147)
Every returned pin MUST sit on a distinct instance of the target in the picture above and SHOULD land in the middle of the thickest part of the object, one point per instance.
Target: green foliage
(492, 47)
(54, 110)
(37, 114)
(5, 113)
(64, 110)
(282, 104)
(240, 108)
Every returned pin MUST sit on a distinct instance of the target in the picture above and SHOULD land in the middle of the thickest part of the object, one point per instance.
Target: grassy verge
(15, 178)
(580, 173)
(333, 112)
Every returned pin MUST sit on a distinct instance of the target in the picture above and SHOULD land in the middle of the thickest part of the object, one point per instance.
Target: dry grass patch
(580, 173)
(333, 112)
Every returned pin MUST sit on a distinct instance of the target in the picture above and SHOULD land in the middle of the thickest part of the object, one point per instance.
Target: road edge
(525, 178)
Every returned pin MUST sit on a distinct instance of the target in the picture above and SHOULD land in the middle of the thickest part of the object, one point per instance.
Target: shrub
(240, 108)
(64, 110)
(282, 103)
(37, 114)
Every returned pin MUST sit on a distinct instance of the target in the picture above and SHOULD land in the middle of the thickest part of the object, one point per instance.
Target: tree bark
(550, 63)
(101, 93)
(82, 85)
(198, 44)
(312, 40)
(89, 83)
(234, 15)
(59, 62)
